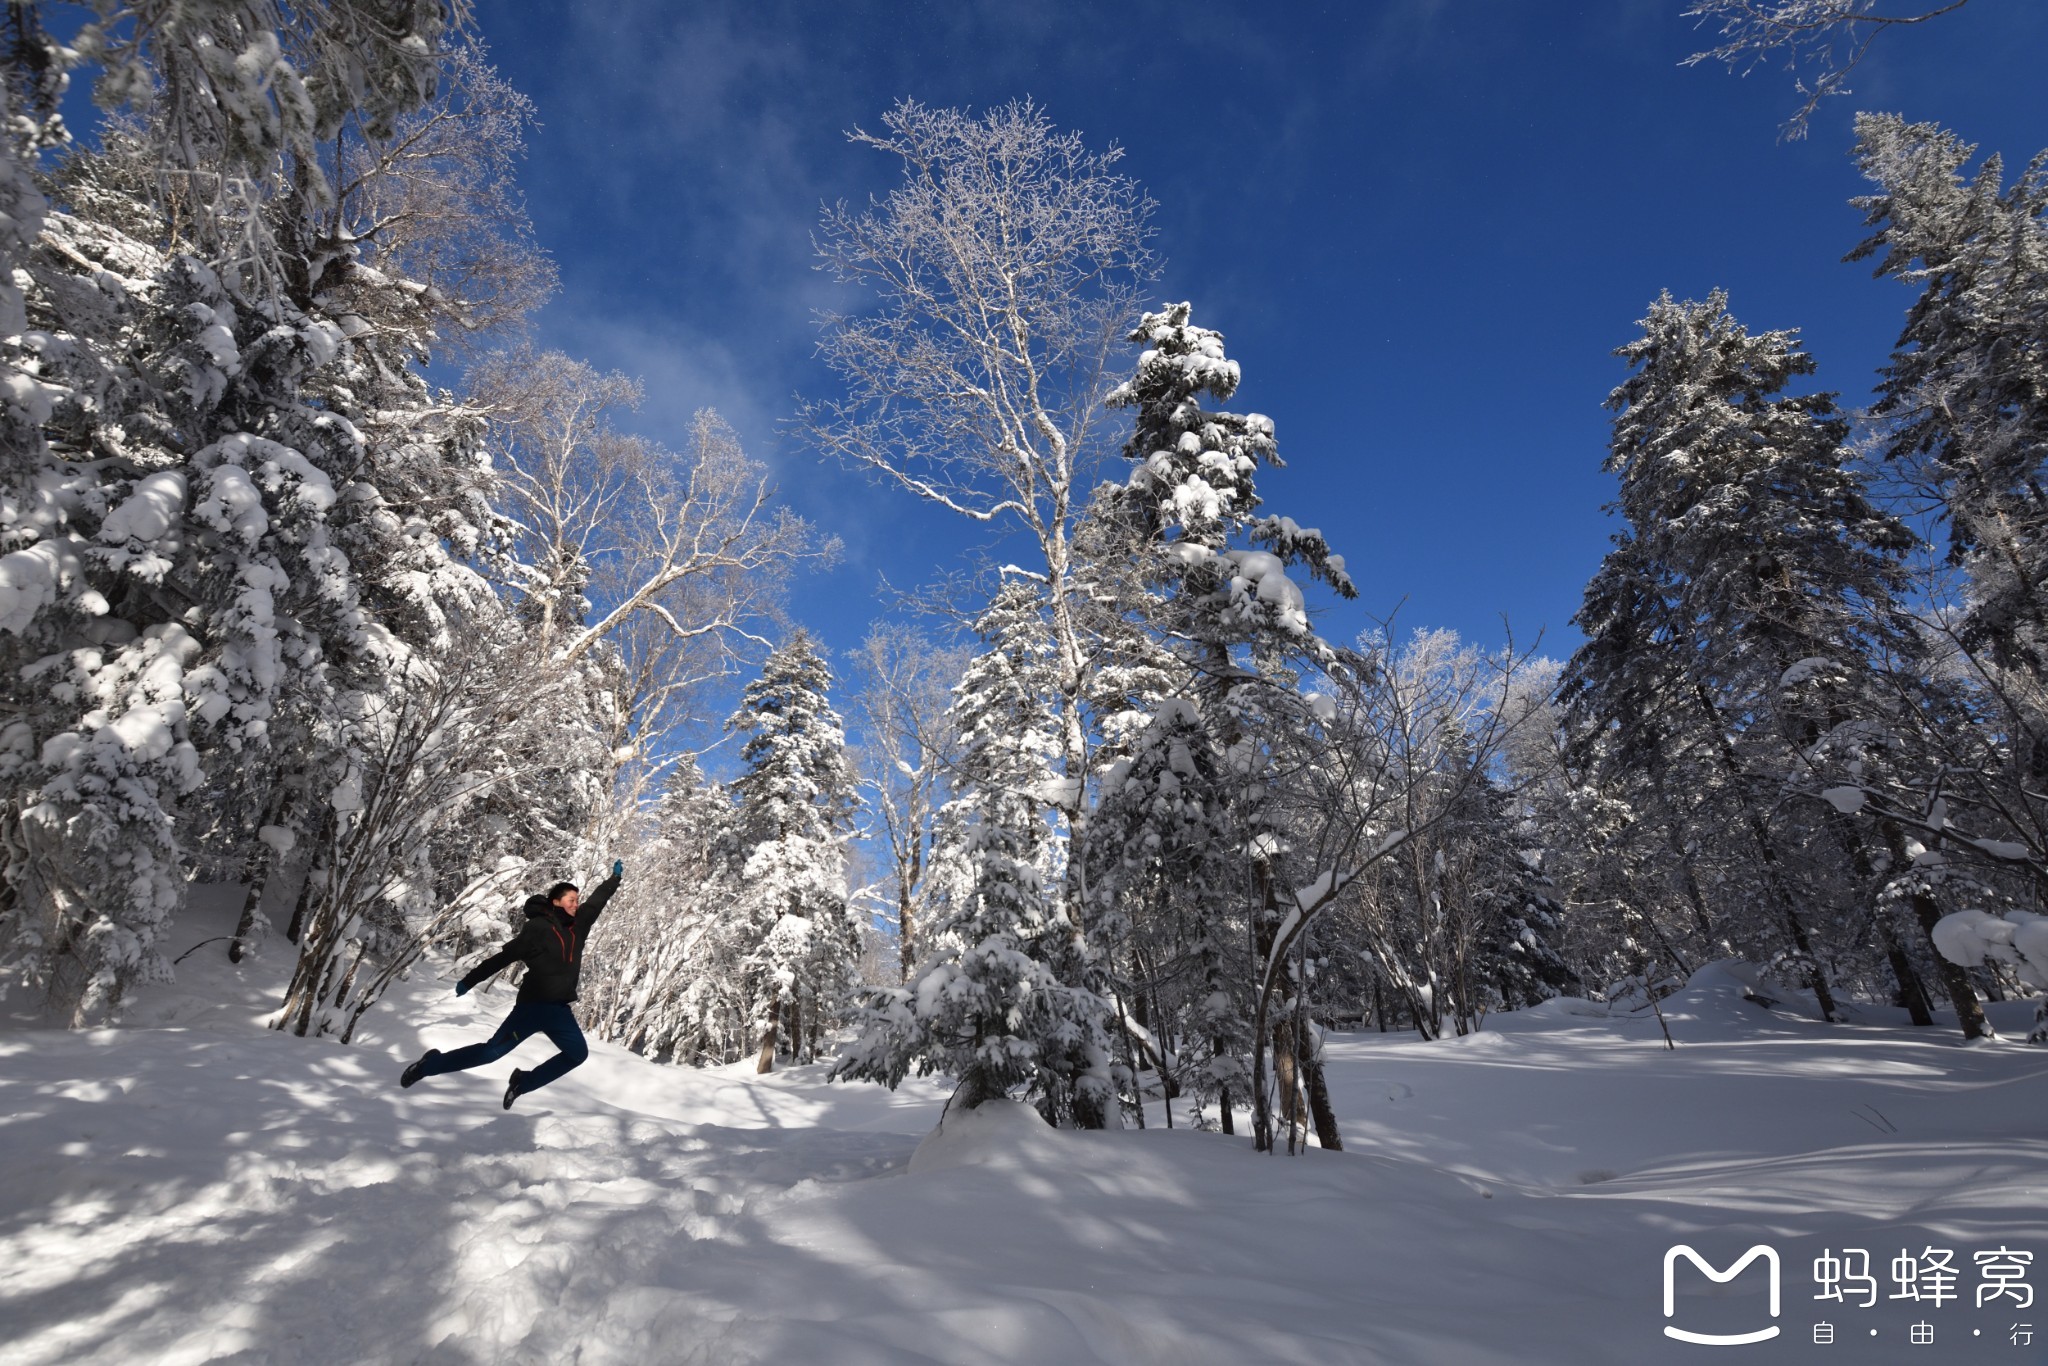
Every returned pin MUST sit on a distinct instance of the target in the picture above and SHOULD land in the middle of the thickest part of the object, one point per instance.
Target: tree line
(1112, 827)
(1153, 832)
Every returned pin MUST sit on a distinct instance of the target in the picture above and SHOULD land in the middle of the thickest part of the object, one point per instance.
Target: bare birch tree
(907, 747)
(422, 752)
(693, 530)
(672, 561)
(1356, 777)
(1005, 267)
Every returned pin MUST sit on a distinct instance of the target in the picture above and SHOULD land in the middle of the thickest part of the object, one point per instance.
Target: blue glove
(618, 868)
(461, 988)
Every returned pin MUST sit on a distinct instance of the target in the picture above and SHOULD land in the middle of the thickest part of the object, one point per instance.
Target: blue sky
(1422, 225)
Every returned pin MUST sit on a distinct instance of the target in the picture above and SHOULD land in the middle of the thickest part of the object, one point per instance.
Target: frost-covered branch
(1830, 36)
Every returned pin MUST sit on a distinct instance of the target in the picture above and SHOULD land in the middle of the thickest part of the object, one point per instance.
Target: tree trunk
(1912, 995)
(1774, 877)
(906, 949)
(1956, 978)
(1169, 1071)
(1319, 1099)
(251, 899)
(972, 1091)
(256, 869)
(298, 925)
(766, 1062)
(1265, 920)
(1287, 1080)
(1131, 1053)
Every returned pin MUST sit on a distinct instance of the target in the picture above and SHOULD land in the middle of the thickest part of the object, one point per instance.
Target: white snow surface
(193, 1188)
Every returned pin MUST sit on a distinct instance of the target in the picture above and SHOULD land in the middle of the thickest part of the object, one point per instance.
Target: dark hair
(555, 892)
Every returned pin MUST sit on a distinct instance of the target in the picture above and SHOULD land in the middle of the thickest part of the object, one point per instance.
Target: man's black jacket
(551, 946)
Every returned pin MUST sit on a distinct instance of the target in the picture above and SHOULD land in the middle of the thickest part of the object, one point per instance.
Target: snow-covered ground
(194, 1188)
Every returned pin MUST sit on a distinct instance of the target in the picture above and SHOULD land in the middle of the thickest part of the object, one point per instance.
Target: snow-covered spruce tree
(795, 809)
(1003, 266)
(1223, 593)
(249, 98)
(1172, 881)
(1645, 791)
(1134, 664)
(1192, 494)
(52, 932)
(1965, 397)
(995, 1003)
(1966, 389)
(1750, 547)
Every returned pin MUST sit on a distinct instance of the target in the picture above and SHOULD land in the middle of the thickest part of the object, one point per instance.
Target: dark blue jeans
(552, 1018)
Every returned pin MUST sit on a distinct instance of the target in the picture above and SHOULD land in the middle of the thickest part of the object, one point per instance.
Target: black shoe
(415, 1071)
(512, 1087)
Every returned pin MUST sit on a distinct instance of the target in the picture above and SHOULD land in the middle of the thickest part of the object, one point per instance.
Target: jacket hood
(540, 907)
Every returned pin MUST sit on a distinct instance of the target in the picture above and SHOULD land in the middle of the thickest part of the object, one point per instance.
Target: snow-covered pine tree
(1749, 546)
(1965, 397)
(1120, 610)
(1193, 498)
(796, 802)
(1173, 887)
(1966, 388)
(995, 1004)
(1190, 509)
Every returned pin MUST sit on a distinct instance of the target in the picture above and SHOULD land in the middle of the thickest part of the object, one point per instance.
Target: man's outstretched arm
(588, 911)
(514, 952)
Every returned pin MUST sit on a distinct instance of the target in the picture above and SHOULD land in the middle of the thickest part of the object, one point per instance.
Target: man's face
(570, 900)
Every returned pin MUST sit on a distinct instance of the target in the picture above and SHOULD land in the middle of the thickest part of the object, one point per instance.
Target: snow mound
(1720, 1002)
(1564, 1008)
(996, 1133)
(1726, 1000)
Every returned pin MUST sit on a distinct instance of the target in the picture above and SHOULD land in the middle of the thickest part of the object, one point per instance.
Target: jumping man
(551, 946)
